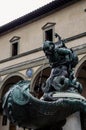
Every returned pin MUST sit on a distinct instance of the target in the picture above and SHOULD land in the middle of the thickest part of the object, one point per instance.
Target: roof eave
(35, 15)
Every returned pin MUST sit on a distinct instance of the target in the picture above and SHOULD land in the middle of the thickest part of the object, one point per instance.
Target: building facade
(21, 54)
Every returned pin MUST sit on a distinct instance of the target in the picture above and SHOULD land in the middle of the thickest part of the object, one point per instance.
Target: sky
(13, 9)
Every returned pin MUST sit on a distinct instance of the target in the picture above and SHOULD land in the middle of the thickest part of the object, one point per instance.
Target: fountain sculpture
(61, 98)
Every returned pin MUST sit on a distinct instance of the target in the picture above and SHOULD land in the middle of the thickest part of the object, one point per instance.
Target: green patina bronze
(61, 96)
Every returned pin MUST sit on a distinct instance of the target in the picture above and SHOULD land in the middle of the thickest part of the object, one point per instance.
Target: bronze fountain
(61, 98)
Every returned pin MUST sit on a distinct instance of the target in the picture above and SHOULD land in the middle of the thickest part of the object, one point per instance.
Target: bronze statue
(61, 93)
(62, 61)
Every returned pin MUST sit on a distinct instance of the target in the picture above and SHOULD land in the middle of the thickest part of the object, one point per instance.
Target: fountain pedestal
(73, 122)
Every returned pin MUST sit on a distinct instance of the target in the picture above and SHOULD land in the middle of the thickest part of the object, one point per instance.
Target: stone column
(73, 122)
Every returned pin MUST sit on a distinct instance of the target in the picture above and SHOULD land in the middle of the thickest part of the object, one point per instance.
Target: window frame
(13, 47)
(44, 33)
(46, 37)
(13, 41)
(48, 26)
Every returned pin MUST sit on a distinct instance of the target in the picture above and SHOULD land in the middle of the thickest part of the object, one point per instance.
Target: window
(49, 35)
(48, 31)
(14, 45)
(15, 49)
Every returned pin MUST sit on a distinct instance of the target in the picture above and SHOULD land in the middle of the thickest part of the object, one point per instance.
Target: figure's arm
(64, 51)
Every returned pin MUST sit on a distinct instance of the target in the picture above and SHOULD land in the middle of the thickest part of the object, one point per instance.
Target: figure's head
(48, 47)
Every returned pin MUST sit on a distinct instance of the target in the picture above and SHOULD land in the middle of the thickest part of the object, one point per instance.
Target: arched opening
(5, 87)
(81, 76)
(39, 80)
(9, 82)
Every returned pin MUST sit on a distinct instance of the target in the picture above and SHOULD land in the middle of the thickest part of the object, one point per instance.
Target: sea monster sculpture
(61, 98)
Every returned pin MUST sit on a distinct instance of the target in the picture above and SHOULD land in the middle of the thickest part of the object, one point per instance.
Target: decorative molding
(24, 65)
(81, 49)
(47, 25)
(15, 38)
(75, 37)
(21, 55)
